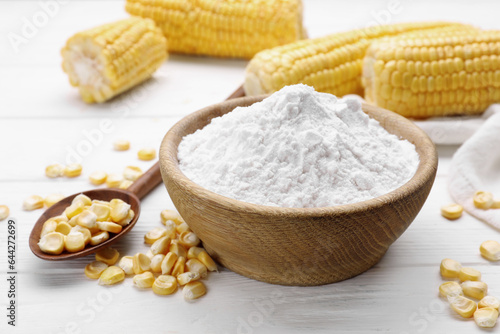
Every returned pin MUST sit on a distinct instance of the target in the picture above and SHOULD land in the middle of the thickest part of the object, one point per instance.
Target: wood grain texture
(292, 246)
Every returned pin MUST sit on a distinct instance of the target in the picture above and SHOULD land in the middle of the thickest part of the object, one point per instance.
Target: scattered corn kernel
(177, 248)
(463, 306)
(496, 203)
(165, 285)
(188, 239)
(475, 289)
(99, 238)
(452, 211)
(204, 258)
(144, 280)
(171, 215)
(127, 265)
(193, 252)
(195, 266)
(73, 170)
(74, 242)
(121, 145)
(179, 267)
(52, 199)
(33, 202)
(489, 301)
(55, 170)
(87, 219)
(98, 177)
(85, 231)
(486, 317)
(4, 212)
(141, 263)
(156, 263)
(94, 270)
(111, 275)
(109, 227)
(450, 268)
(483, 200)
(168, 263)
(52, 243)
(490, 250)
(63, 228)
(108, 255)
(161, 246)
(450, 289)
(102, 211)
(155, 234)
(119, 209)
(82, 200)
(146, 154)
(132, 173)
(469, 274)
(114, 180)
(187, 277)
(128, 219)
(73, 210)
(194, 290)
(182, 227)
(125, 184)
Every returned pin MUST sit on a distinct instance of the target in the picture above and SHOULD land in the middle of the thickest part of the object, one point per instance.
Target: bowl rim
(170, 166)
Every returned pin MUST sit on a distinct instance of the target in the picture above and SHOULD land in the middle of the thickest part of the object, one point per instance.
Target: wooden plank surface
(42, 120)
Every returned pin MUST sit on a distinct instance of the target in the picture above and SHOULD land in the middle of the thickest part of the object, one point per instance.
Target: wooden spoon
(140, 188)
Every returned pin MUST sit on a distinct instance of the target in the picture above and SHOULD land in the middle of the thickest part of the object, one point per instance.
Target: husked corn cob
(457, 73)
(237, 28)
(107, 60)
(331, 64)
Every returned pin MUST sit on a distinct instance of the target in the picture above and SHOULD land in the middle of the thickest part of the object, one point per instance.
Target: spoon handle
(149, 180)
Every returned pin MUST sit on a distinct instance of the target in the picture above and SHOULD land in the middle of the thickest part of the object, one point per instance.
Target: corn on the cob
(330, 64)
(237, 28)
(107, 60)
(436, 75)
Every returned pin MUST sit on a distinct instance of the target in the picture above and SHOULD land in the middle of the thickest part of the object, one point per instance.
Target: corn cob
(237, 28)
(435, 76)
(330, 64)
(107, 60)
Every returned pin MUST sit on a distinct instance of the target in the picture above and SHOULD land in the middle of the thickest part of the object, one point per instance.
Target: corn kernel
(128, 219)
(452, 211)
(195, 266)
(450, 268)
(204, 258)
(483, 200)
(161, 246)
(87, 219)
(475, 289)
(165, 285)
(463, 306)
(490, 250)
(168, 263)
(187, 277)
(179, 266)
(55, 170)
(496, 203)
(82, 200)
(154, 234)
(73, 210)
(63, 228)
(49, 226)
(94, 270)
(469, 274)
(108, 256)
(4, 212)
(114, 180)
(33, 202)
(144, 280)
(121, 145)
(188, 239)
(52, 243)
(489, 301)
(127, 265)
(182, 227)
(486, 317)
(73, 170)
(194, 290)
(102, 211)
(109, 227)
(171, 215)
(98, 177)
(193, 252)
(99, 238)
(450, 289)
(150, 254)
(141, 263)
(156, 263)
(74, 242)
(132, 173)
(85, 231)
(111, 275)
(119, 210)
(125, 184)
(170, 226)
(146, 154)
(52, 199)
(177, 248)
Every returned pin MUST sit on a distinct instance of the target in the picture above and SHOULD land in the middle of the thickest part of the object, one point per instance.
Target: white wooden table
(42, 120)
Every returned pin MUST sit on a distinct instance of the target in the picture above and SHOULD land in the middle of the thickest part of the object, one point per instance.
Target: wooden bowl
(294, 246)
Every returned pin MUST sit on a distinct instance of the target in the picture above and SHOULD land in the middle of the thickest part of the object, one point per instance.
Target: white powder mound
(298, 148)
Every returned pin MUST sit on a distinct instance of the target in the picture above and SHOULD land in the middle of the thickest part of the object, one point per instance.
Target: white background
(42, 119)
